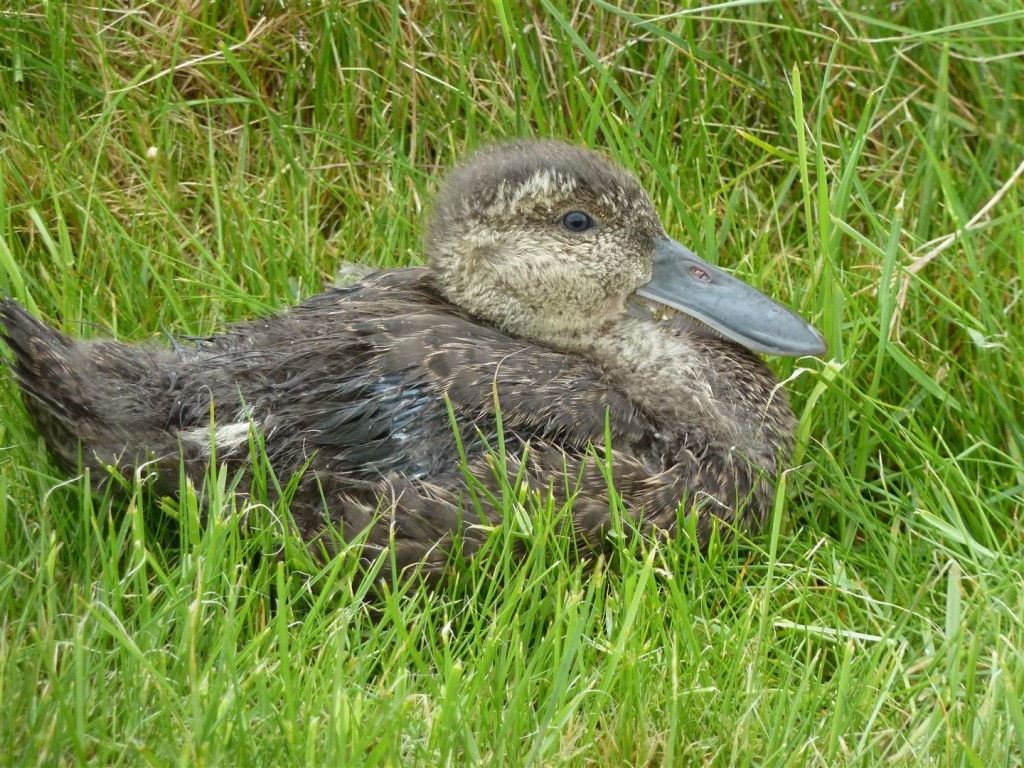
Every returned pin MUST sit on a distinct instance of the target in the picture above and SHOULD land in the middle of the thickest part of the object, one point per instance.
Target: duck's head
(549, 242)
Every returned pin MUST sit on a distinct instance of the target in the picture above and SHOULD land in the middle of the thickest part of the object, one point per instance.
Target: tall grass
(177, 166)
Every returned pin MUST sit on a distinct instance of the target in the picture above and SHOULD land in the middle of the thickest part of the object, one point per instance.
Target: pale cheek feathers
(545, 272)
(632, 267)
(548, 277)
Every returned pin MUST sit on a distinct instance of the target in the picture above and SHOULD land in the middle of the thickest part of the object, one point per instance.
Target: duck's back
(364, 379)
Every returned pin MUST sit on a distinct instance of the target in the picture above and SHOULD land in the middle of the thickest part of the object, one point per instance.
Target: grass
(179, 166)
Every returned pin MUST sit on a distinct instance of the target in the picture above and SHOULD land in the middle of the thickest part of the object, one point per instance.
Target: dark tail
(96, 403)
(42, 361)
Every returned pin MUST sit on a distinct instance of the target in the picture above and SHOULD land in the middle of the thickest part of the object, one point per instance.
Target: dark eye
(577, 221)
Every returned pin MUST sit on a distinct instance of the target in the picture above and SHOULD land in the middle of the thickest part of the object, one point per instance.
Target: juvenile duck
(537, 251)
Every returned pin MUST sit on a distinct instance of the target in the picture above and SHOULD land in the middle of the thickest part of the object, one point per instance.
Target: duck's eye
(577, 221)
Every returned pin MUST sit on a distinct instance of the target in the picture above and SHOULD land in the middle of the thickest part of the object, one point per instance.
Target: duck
(556, 329)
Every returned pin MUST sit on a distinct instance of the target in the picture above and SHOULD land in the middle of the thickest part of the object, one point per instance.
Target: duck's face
(548, 241)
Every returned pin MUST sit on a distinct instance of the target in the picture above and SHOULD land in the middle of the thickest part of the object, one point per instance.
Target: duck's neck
(701, 388)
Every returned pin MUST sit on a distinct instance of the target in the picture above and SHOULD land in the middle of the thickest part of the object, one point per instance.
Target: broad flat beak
(687, 283)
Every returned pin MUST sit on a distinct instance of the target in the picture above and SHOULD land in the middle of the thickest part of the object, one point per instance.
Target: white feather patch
(226, 437)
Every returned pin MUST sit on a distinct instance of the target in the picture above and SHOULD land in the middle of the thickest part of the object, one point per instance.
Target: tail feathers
(42, 360)
(98, 403)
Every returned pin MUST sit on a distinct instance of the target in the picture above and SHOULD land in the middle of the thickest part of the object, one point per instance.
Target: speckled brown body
(354, 384)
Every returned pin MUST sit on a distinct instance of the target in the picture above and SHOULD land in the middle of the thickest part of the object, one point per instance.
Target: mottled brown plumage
(524, 299)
